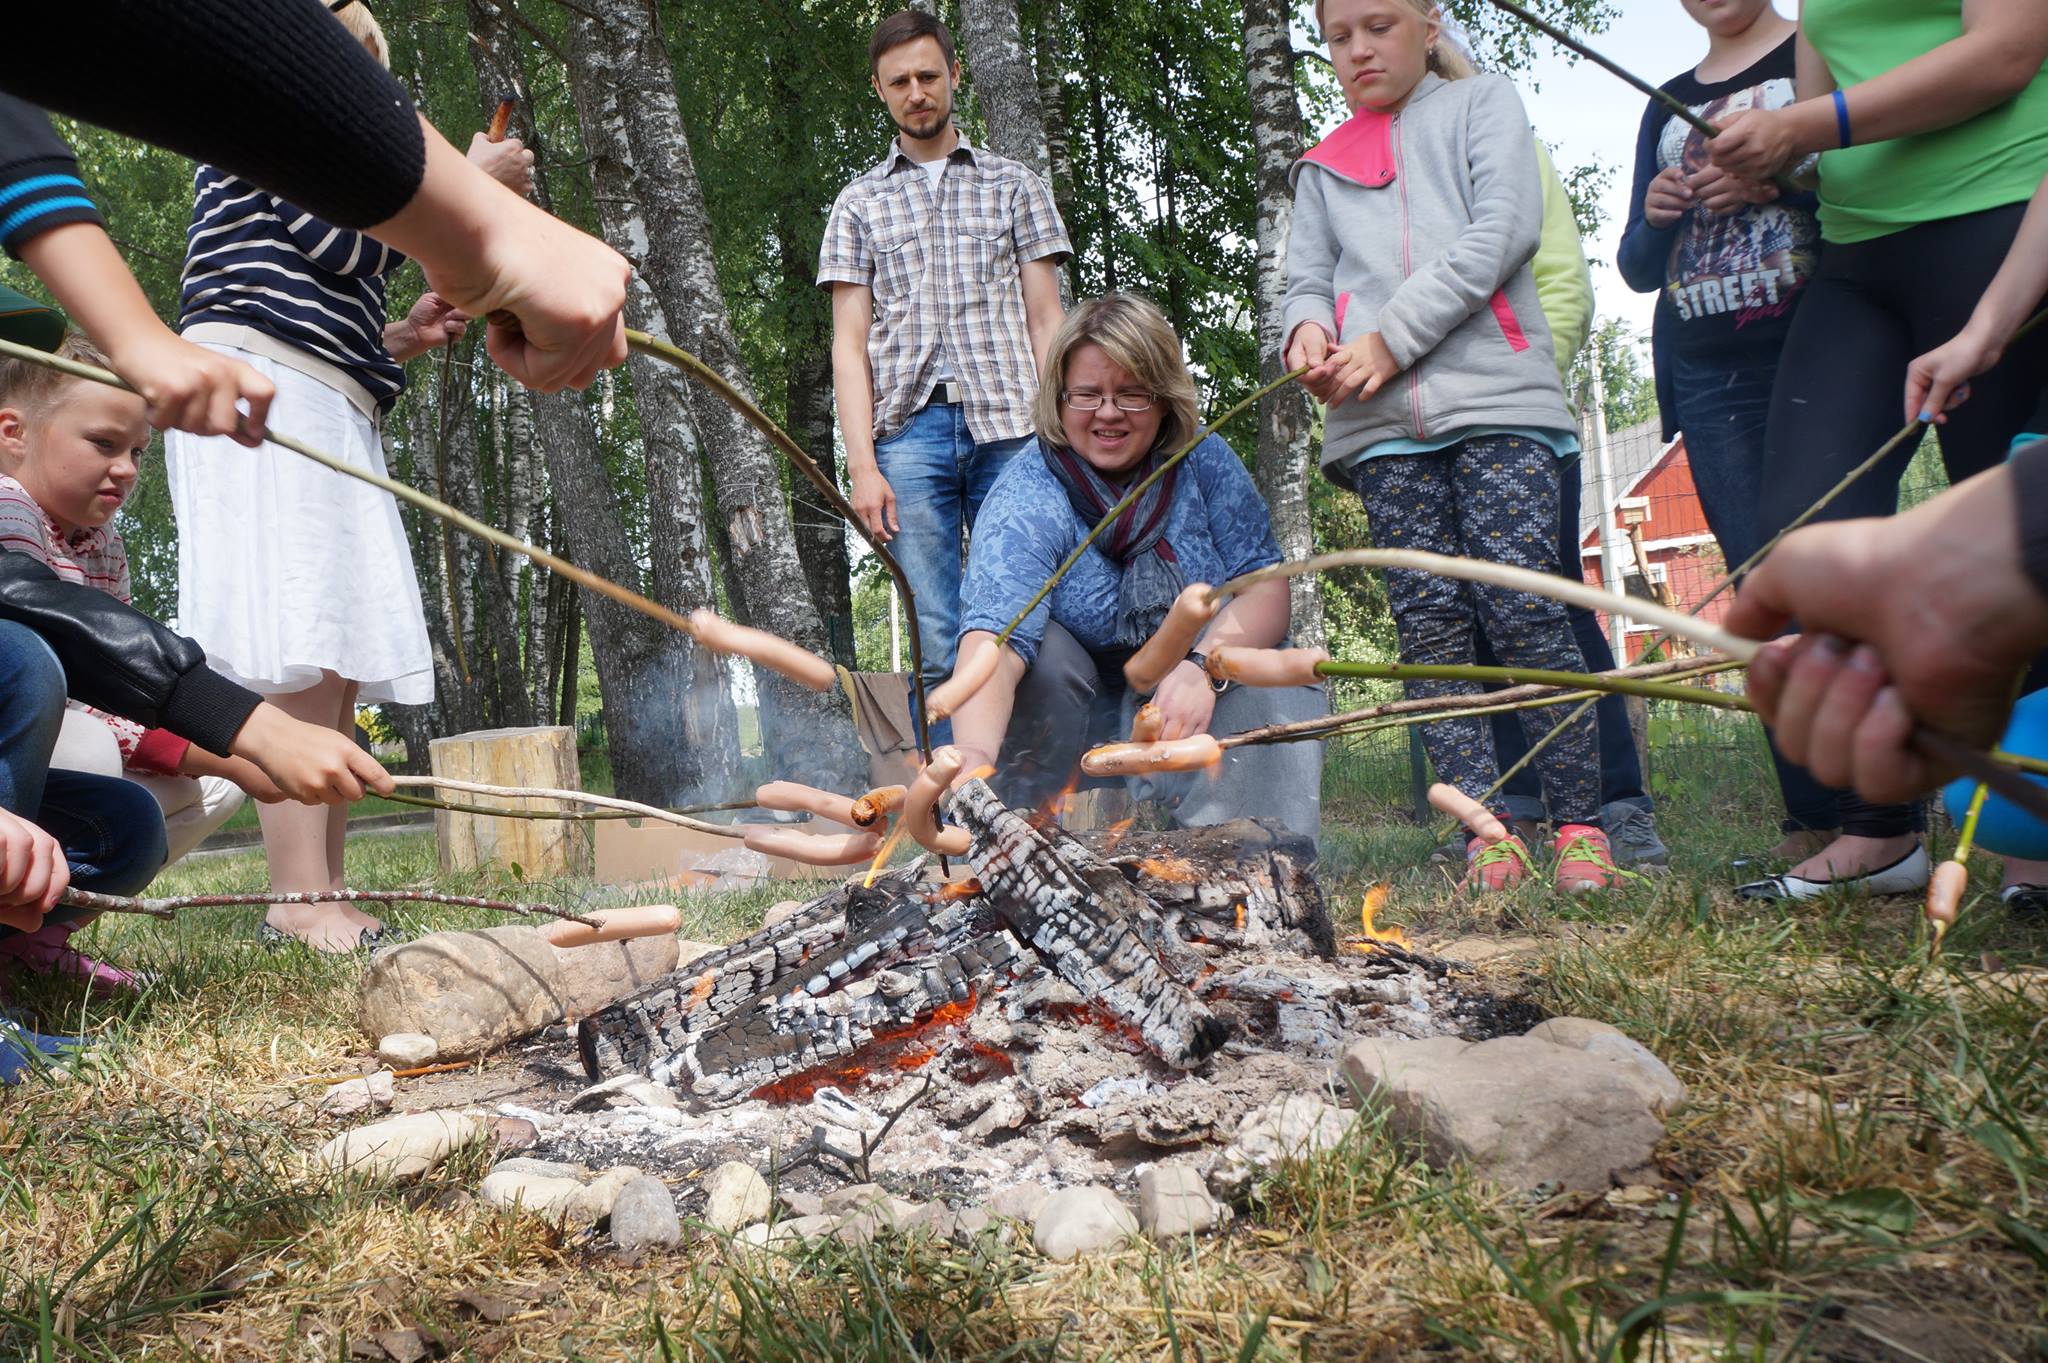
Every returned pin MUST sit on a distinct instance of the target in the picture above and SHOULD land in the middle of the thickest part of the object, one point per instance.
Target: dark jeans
(1872, 307)
(939, 475)
(112, 831)
(1621, 766)
(1070, 699)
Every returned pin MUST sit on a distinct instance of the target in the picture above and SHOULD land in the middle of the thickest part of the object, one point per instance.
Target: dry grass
(1856, 1176)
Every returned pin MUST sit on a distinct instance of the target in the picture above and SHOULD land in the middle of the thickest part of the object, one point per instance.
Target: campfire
(1113, 993)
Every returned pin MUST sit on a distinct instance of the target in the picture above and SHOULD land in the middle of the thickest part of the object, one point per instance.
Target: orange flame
(955, 890)
(1376, 899)
(887, 850)
(1240, 917)
(1176, 870)
(1056, 809)
(1115, 834)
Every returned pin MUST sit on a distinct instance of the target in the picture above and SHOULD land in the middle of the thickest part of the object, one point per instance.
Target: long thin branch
(169, 907)
(563, 815)
(1586, 681)
(1428, 707)
(632, 807)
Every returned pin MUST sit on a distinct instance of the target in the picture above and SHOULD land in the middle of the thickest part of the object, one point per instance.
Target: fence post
(1418, 774)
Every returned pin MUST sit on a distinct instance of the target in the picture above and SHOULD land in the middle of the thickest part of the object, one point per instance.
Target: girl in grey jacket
(1410, 295)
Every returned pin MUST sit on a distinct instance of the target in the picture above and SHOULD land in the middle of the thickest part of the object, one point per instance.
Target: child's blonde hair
(364, 28)
(1138, 338)
(33, 389)
(1446, 57)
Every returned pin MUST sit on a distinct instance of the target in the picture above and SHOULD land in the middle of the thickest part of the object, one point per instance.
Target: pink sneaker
(1495, 866)
(45, 952)
(1584, 862)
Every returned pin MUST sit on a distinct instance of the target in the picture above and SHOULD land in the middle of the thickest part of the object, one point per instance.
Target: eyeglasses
(1125, 402)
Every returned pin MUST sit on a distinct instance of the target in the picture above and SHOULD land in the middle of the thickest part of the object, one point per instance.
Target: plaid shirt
(96, 558)
(944, 270)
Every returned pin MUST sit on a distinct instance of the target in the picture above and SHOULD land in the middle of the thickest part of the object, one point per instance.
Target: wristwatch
(1201, 660)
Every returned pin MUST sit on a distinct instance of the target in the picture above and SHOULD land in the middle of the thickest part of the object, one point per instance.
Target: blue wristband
(1842, 117)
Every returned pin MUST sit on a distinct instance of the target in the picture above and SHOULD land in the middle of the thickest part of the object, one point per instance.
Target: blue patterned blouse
(1218, 526)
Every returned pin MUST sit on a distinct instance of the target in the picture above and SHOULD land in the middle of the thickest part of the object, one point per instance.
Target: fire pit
(1110, 998)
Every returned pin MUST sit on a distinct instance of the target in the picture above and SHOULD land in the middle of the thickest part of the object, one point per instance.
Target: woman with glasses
(1116, 399)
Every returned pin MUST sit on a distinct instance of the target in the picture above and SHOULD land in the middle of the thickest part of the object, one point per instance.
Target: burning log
(1243, 885)
(1088, 922)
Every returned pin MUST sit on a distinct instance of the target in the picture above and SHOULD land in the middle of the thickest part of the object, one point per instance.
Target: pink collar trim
(1360, 150)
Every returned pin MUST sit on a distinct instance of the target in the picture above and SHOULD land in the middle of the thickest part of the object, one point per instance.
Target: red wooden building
(1660, 538)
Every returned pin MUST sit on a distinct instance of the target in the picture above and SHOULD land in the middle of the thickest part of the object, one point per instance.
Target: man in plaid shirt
(943, 266)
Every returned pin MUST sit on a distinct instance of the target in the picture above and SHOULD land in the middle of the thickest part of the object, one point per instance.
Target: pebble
(371, 1093)
(1018, 1202)
(400, 1147)
(1077, 1221)
(408, 1050)
(735, 1195)
(644, 1217)
(1174, 1202)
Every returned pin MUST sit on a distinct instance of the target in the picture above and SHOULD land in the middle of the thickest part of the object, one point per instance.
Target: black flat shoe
(2028, 899)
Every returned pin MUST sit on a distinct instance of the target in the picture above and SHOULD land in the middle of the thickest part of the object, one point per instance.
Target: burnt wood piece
(1088, 924)
(811, 990)
(1200, 876)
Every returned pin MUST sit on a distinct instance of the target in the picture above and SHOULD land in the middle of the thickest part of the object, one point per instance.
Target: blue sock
(22, 1050)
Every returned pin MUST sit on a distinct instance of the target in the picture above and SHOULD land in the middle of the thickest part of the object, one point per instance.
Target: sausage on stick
(771, 651)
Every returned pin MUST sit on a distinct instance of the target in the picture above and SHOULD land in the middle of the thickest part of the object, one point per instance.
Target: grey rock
(371, 1093)
(564, 1195)
(798, 1203)
(645, 1217)
(735, 1195)
(400, 1147)
(542, 1168)
(1297, 1126)
(1174, 1202)
(1660, 1088)
(1077, 1221)
(969, 1222)
(1520, 1110)
(855, 1198)
(1018, 1202)
(407, 1050)
(935, 1220)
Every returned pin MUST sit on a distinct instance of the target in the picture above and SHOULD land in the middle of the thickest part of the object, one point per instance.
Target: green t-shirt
(1996, 158)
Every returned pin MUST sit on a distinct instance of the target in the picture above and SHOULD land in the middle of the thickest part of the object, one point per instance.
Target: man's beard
(941, 119)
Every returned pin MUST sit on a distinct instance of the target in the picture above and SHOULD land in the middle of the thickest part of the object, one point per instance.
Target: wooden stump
(539, 848)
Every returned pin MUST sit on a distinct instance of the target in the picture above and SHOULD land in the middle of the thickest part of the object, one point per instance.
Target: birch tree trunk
(1004, 82)
(645, 671)
(1283, 468)
(617, 45)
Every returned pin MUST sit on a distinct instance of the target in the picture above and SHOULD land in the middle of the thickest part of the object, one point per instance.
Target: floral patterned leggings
(1492, 497)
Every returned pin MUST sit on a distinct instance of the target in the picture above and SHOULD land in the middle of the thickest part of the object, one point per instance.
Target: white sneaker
(1907, 875)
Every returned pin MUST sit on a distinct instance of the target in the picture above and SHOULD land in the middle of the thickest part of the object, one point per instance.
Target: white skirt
(287, 569)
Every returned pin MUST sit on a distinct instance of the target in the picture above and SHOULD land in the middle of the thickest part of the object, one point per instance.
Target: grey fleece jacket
(1420, 225)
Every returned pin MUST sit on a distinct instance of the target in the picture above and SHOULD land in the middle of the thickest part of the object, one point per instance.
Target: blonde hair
(33, 389)
(364, 28)
(1136, 336)
(1446, 57)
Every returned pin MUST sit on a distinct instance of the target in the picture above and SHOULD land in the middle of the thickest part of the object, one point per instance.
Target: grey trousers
(1069, 701)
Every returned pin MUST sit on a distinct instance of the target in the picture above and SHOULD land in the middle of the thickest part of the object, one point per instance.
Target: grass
(1861, 1173)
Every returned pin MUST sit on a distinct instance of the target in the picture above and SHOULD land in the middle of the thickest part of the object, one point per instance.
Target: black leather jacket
(119, 660)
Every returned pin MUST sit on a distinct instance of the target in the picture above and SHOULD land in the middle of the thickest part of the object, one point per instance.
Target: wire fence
(1706, 760)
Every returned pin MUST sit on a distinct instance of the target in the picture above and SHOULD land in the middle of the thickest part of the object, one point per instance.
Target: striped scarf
(1136, 542)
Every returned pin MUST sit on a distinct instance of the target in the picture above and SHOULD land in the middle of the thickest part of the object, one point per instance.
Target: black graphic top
(1724, 283)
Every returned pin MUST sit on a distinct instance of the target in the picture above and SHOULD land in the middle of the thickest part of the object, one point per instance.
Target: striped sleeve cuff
(38, 196)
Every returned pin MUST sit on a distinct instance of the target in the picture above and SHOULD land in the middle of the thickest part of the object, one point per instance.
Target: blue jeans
(1621, 766)
(112, 831)
(1722, 409)
(940, 475)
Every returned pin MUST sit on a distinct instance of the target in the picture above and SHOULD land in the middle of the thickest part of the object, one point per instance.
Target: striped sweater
(251, 259)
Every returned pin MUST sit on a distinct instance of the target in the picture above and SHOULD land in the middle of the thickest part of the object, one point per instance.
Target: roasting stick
(632, 807)
(2001, 773)
(563, 815)
(169, 907)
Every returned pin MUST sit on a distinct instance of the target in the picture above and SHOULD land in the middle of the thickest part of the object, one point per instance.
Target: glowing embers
(893, 1052)
(1172, 869)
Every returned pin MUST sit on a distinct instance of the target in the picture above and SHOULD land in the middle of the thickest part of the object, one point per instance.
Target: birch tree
(1282, 468)
(617, 45)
